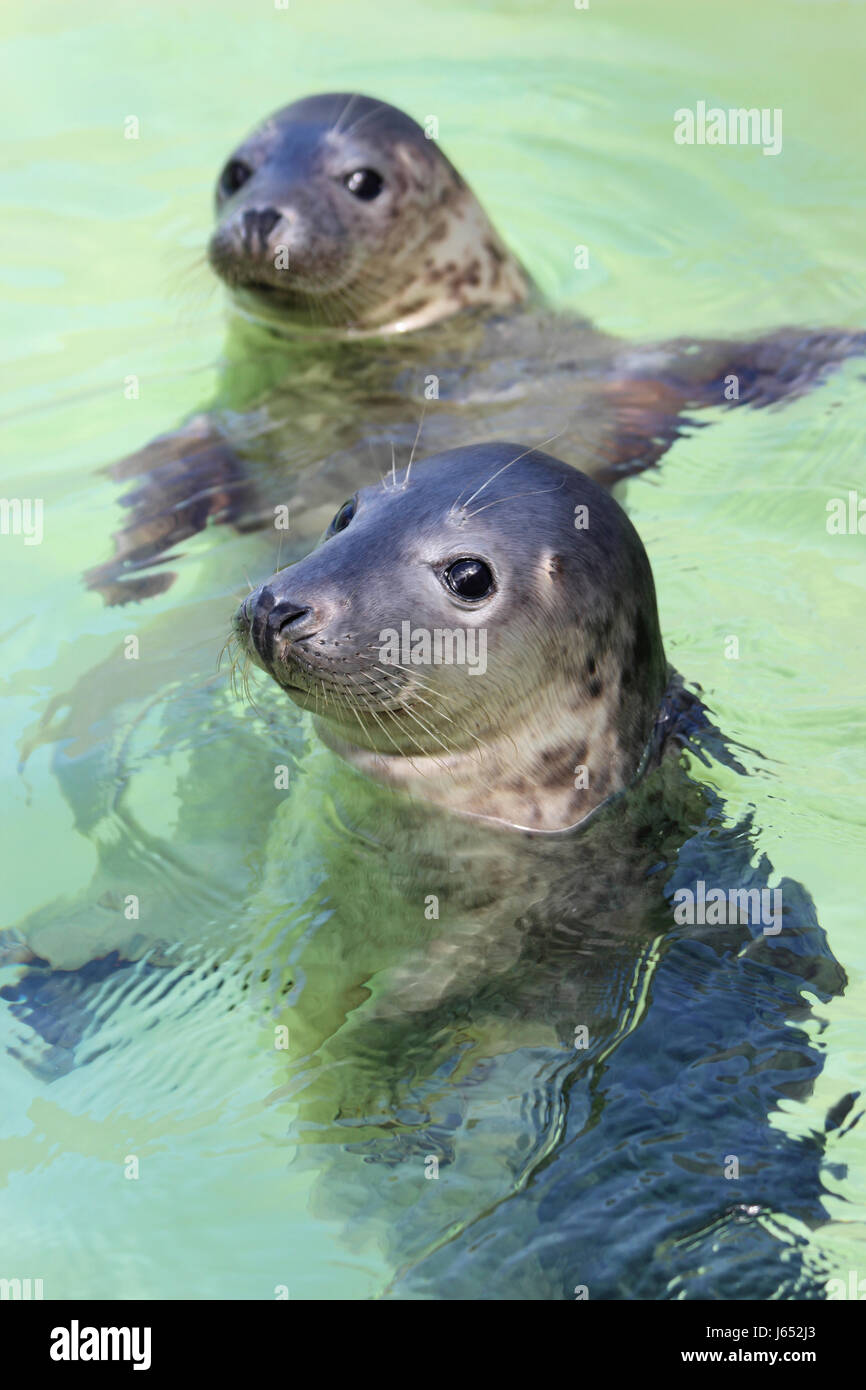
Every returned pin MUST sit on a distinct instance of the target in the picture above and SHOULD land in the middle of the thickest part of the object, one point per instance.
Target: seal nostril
(291, 620)
(257, 224)
(286, 616)
(268, 220)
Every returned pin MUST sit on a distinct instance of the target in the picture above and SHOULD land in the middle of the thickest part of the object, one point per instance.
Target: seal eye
(234, 176)
(469, 579)
(366, 184)
(343, 517)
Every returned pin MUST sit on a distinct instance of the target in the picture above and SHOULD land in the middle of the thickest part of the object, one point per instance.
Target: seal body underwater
(366, 281)
(542, 802)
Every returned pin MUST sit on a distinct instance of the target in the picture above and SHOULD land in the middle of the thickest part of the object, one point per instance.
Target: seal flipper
(645, 419)
(59, 1007)
(71, 1017)
(188, 478)
(655, 387)
(781, 366)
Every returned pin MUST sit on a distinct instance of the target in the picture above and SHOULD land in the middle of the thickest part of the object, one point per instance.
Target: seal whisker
(460, 727)
(355, 96)
(412, 671)
(536, 492)
(380, 106)
(502, 469)
(223, 649)
(395, 745)
(450, 751)
(245, 681)
(236, 655)
(422, 725)
(415, 445)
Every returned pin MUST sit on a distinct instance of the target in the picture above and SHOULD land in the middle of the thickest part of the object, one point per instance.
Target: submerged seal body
(538, 797)
(370, 286)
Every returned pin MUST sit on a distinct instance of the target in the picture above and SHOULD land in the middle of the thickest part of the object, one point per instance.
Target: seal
(364, 279)
(424, 945)
(338, 211)
(481, 632)
(529, 782)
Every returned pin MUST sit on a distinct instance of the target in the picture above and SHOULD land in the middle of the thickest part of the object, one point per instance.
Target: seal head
(338, 211)
(481, 632)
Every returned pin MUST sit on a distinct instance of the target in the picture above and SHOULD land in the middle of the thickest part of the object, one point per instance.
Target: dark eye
(234, 176)
(469, 579)
(343, 517)
(364, 183)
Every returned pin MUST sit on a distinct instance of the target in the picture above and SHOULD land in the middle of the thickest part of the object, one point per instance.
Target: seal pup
(379, 232)
(541, 799)
(410, 1030)
(365, 277)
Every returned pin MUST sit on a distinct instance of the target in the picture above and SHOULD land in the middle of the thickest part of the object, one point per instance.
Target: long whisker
(536, 492)
(509, 464)
(380, 106)
(415, 445)
(346, 109)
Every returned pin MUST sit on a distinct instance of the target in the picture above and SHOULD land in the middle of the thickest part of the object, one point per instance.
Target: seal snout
(256, 227)
(270, 625)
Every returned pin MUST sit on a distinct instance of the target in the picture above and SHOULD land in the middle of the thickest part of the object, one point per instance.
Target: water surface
(562, 121)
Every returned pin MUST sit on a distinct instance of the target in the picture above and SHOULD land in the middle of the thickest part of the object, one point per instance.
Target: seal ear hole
(236, 173)
(365, 184)
(555, 566)
(469, 578)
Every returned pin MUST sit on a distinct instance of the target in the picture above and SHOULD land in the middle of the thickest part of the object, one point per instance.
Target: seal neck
(548, 775)
(461, 265)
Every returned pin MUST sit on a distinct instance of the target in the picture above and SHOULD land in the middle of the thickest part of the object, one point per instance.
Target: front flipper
(59, 1009)
(785, 364)
(654, 389)
(186, 480)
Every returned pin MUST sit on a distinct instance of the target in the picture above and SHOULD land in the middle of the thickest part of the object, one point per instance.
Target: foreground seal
(459, 943)
(368, 284)
(533, 789)
(475, 631)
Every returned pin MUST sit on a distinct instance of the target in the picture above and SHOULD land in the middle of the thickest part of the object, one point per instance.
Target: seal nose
(256, 226)
(265, 619)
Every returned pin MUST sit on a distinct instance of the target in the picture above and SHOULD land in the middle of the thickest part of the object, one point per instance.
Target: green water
(561, 120)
